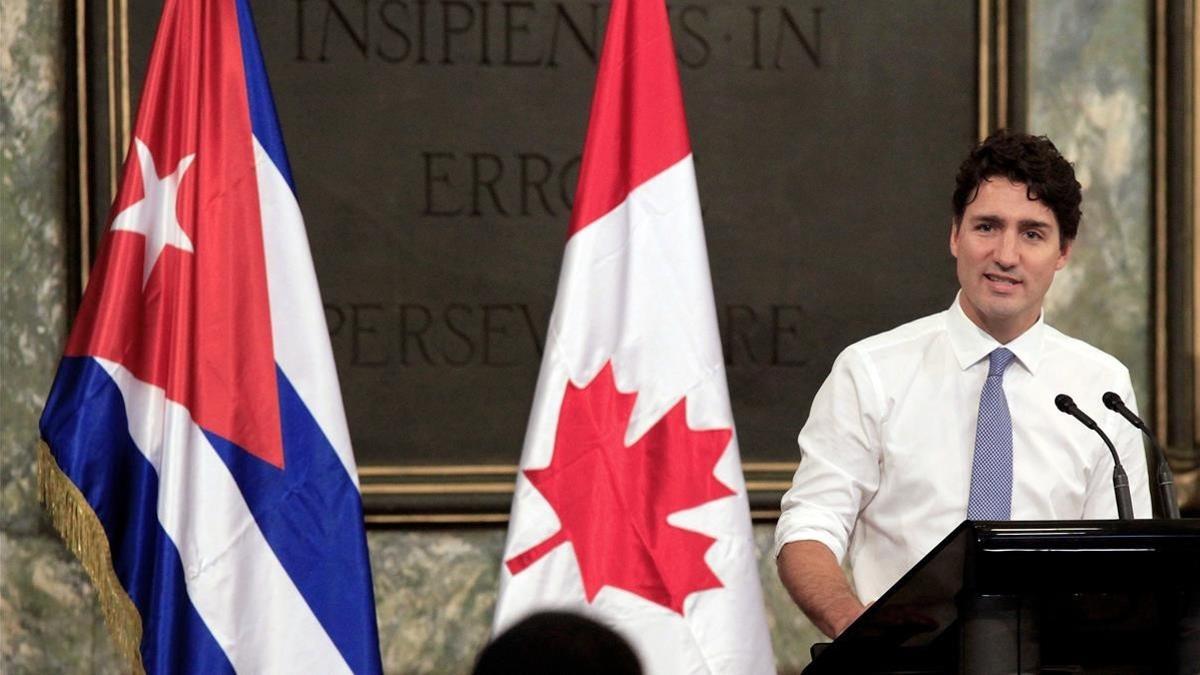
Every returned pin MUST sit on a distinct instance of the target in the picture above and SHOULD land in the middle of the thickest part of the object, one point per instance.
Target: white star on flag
(154, 215)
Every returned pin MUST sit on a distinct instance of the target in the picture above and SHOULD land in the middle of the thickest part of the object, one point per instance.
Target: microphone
(1120, 480)
(1067, 404)
(1165, 481)
(1115, 404)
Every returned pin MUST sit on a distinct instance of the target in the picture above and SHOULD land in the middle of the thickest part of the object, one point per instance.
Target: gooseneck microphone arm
(1164, 479)
(1120, 480)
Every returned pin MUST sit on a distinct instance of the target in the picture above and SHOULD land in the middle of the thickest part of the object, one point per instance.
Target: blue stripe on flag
(86, 427)
(313, 500)
(262, 106)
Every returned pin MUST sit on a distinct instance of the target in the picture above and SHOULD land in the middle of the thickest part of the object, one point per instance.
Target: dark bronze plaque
(435, 146)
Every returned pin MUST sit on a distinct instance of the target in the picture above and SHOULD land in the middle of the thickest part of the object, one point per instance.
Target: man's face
(1008, 249)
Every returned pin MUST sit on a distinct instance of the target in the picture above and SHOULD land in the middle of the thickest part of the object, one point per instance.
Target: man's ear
(954, 225)
(1064, 254)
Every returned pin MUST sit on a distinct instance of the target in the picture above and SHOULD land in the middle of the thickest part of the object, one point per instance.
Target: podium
(1036, 597)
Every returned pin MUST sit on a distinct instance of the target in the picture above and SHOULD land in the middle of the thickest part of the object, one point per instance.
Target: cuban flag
(196, 455)
(630, 505)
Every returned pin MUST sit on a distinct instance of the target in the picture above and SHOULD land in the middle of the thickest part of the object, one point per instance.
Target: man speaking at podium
(953, 416)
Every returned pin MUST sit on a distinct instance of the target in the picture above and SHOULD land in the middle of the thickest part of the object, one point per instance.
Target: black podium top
(1121, 583)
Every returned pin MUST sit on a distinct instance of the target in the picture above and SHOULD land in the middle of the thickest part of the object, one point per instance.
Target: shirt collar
(972, 344)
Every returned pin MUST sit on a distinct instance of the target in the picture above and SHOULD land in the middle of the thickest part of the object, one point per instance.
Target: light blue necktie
(992, 469)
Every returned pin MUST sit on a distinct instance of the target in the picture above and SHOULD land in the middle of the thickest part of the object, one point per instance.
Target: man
(952, 416)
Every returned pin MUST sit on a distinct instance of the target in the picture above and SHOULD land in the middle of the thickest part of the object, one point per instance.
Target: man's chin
(999, 314)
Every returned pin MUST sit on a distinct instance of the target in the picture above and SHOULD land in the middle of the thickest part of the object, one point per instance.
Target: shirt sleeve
(839, 459)
(1100, 502)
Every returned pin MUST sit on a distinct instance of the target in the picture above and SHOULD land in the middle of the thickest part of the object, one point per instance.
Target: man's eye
(1034, 234)
(984, 227)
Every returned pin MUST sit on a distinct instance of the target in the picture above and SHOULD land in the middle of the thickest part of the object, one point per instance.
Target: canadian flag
(630, 505)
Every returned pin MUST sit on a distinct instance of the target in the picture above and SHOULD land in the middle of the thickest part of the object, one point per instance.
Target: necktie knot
(998, 361)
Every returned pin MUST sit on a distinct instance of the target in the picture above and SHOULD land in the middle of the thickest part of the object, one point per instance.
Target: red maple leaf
(613, 500)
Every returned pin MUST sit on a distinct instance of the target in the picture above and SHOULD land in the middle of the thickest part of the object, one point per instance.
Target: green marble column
(1089, 91)
(49, 620)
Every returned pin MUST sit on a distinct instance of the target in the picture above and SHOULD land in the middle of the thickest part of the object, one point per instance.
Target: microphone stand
(1120, 480)
(1164, 479)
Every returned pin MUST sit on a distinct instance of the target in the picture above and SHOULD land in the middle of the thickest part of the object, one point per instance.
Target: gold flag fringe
(84, 535)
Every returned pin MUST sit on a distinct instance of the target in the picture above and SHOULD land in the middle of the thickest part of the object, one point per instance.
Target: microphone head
(1112, 401)
(1064, 403)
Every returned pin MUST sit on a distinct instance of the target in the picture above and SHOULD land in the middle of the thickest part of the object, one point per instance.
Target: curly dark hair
(1031, 160)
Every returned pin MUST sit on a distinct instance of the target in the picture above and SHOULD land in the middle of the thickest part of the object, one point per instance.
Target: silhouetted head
(558, 642)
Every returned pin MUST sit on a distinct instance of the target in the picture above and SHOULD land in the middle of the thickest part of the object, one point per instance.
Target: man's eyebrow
(1025, 222)
(1031, 223)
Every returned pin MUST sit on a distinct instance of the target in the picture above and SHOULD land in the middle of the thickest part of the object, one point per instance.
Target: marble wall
(435, 588)
(435, 591)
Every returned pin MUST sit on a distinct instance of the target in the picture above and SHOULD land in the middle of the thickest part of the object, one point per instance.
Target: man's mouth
(1002, 279)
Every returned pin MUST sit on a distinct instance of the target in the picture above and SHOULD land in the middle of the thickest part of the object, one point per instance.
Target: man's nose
(1006, 250)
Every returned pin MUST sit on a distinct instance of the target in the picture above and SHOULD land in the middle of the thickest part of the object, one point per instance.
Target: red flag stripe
(200, 328)
(637, 127)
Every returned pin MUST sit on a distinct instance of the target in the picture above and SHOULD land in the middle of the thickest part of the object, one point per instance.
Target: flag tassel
(83, 534)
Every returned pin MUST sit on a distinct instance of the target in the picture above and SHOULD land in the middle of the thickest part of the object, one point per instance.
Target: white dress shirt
(885, 468)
